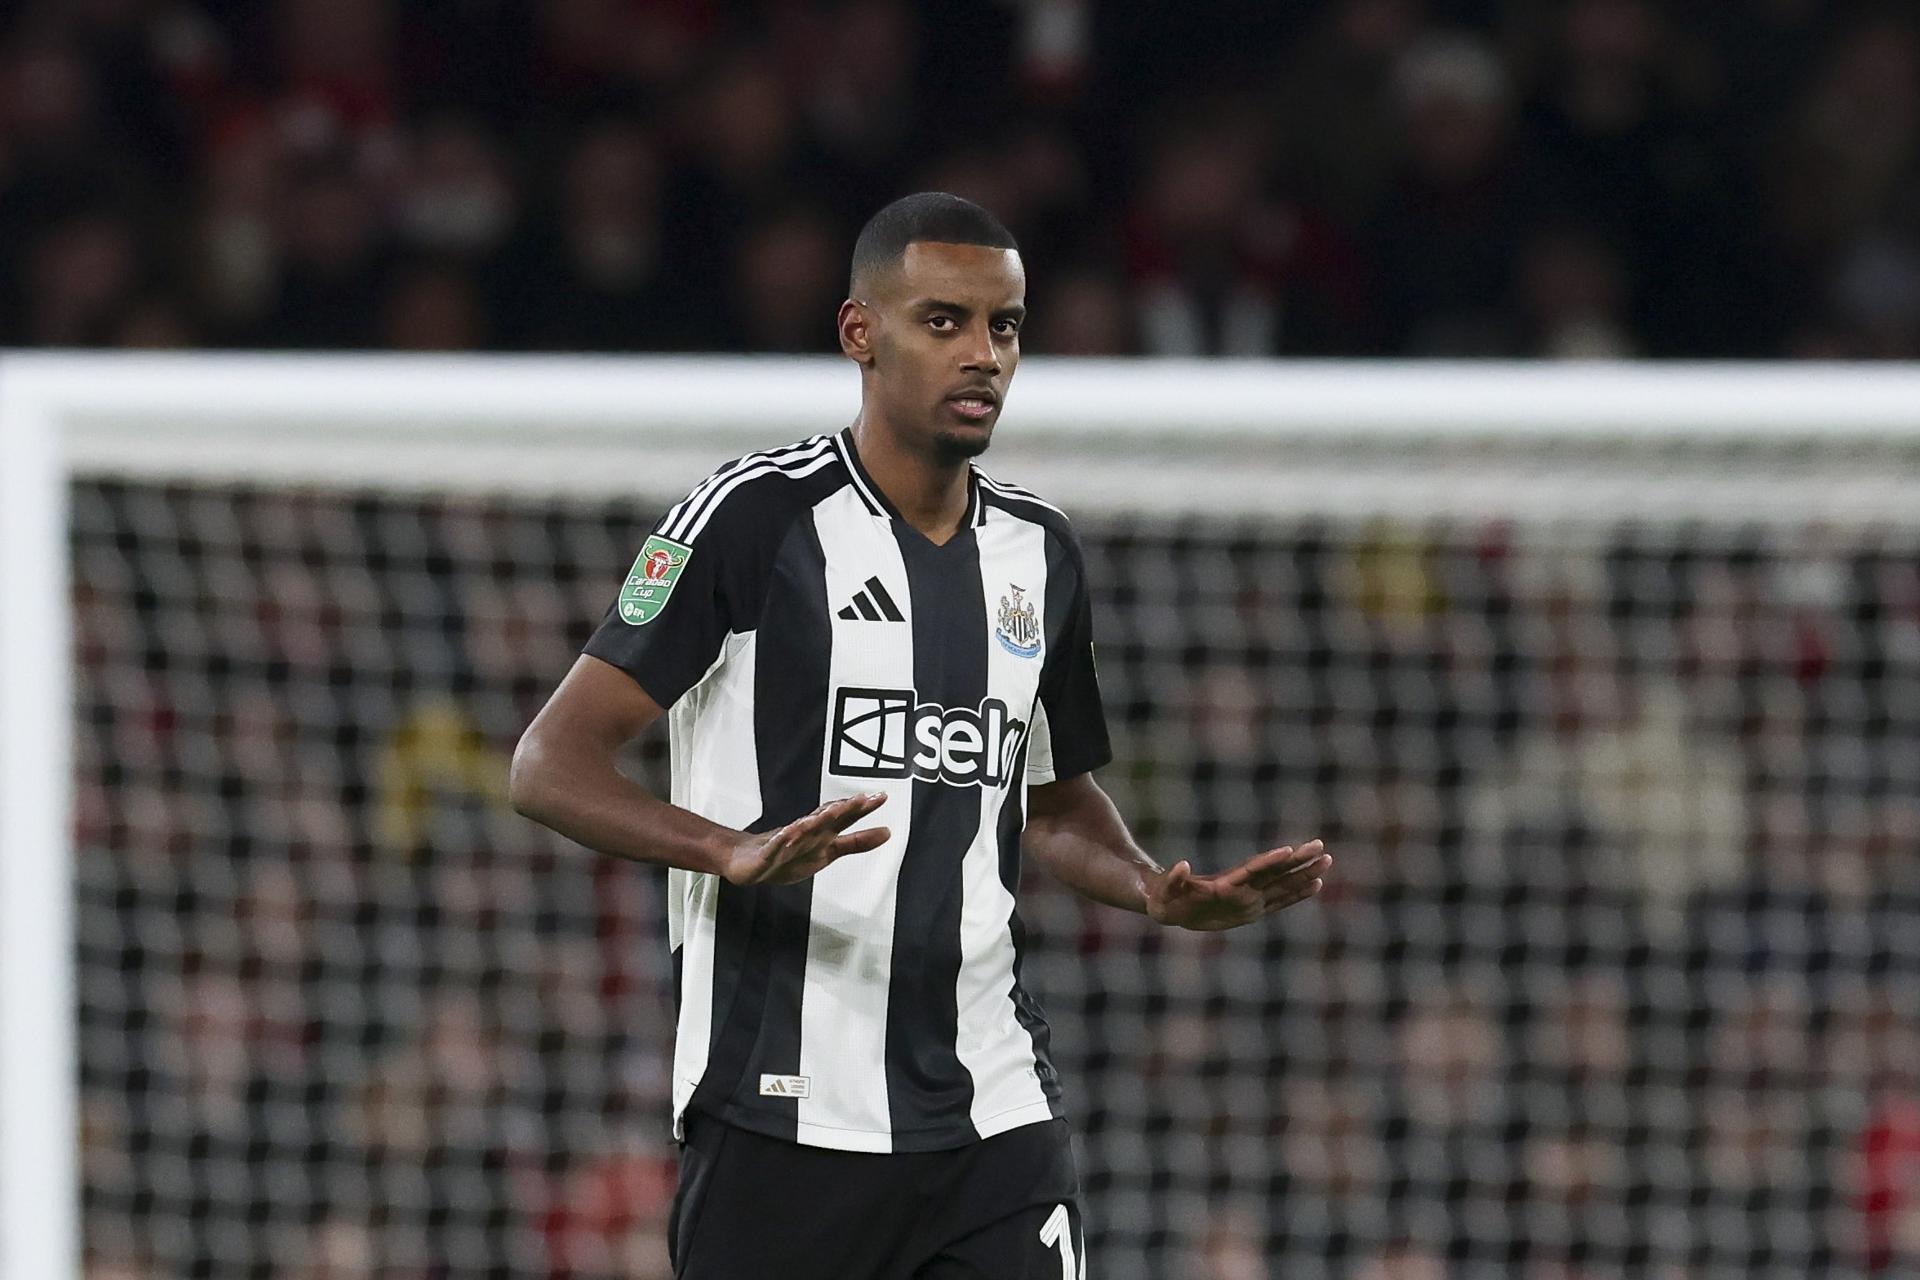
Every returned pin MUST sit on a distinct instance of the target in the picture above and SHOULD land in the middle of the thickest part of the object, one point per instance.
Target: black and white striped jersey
(810, 645)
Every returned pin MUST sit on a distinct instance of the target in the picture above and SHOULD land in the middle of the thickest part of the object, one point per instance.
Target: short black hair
(925, 215)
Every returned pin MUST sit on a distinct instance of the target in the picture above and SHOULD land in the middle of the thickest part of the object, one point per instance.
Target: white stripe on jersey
(680, 782)
(1006, 490)
(991, 1043)
(874, 504)
(843, 1011)
(794, 469)
(684, 522)
(706, 486)
(1040, 769)
(696, 898)
(714, 771)
(726, 469)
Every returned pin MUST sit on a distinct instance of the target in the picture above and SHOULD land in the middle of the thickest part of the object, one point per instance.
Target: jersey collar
(880, 505)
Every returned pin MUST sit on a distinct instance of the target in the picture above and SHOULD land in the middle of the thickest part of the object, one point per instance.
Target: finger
(791, 841)
(1254, 864)
(1293, 890)
(778, 841)
(863, 841)
(1213, 893)
(1292, 873)
(1282, 858)
(846, 812)
(825, 855)
(1315, 870)
(836, 818)
(1179, 880)
(1300, 868)
(800, 829)
(1167, 891)
(830, 818)
(1229, 911)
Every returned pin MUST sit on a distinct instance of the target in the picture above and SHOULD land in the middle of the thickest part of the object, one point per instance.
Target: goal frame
(1747, 444)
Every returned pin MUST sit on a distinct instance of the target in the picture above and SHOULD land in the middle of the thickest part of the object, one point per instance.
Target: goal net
(1603, 687)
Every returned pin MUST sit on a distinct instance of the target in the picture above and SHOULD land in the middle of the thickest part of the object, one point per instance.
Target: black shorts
(750, 1207)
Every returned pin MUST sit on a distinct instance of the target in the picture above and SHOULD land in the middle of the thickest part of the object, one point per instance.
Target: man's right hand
(806, 845)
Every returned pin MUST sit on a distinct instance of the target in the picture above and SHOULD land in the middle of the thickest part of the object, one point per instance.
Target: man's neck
(930, 495)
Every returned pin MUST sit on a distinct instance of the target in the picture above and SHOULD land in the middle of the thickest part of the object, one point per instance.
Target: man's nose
(981, 355)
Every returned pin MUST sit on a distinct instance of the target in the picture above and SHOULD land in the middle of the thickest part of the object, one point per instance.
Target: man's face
(941, 339)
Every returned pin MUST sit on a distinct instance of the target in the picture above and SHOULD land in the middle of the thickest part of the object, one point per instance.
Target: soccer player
(877, 663)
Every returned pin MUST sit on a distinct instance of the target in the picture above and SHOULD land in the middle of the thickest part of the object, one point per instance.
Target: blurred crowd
(1244, 177)
(1619, 979)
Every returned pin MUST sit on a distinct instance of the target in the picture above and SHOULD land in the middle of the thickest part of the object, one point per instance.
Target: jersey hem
(945, 1138)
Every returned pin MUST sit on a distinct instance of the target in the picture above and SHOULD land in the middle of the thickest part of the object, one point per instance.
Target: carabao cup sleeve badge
(651, 579)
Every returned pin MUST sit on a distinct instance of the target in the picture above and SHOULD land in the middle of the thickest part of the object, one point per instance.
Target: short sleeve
(701, 576)
(670, 621)
(1069, 733)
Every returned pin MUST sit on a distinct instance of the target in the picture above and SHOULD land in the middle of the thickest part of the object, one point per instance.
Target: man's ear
(856, 333)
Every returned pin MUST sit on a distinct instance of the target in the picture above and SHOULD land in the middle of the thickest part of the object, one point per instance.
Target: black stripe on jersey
(792, 458)
(1063, 579)
(766, 926)
(928, 1090)
(683, 514)
(866, 607)
(678, 960)
(679, 509)
(1025, 1008)
(1014, 493)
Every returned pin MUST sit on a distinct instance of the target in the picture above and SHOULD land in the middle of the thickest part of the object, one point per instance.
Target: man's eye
(1008, 328)
(938, 321)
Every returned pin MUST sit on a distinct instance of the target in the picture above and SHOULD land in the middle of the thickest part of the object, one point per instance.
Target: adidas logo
(786, 1086)
(872, 605)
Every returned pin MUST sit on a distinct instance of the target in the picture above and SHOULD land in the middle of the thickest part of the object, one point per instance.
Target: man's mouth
(974, 407)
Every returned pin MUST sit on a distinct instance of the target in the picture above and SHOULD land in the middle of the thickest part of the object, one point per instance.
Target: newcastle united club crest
(1019, 629)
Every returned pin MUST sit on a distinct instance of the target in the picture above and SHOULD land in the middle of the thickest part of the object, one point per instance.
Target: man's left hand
(1261, 885)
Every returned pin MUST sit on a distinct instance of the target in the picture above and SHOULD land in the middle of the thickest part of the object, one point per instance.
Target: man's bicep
(1048, 800)
(599, 704)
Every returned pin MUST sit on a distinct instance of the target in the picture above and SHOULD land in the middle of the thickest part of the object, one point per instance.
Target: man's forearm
(1088, 848)
(589, 801)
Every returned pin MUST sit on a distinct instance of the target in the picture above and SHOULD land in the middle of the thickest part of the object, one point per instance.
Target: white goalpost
(1205, 467)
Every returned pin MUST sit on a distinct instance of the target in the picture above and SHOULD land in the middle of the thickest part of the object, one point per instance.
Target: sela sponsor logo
(786, 1086)
(890, 733)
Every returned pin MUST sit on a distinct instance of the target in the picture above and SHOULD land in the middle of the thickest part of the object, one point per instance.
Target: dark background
(1356, 177)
